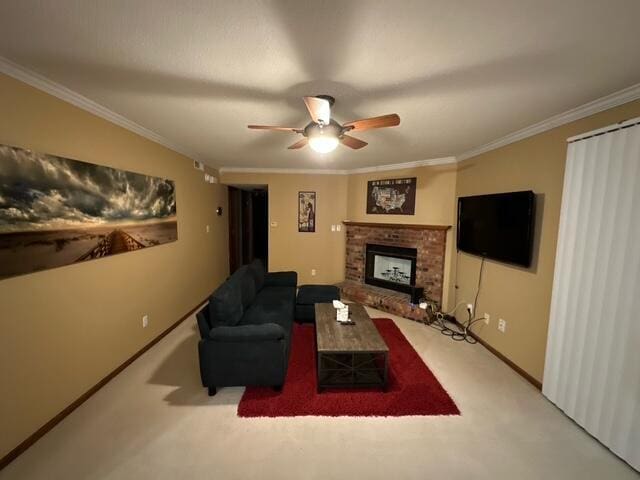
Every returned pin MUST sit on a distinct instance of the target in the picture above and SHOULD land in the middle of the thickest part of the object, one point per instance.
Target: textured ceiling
(459, 73)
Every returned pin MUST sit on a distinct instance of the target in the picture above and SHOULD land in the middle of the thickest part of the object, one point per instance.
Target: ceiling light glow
(323, 143)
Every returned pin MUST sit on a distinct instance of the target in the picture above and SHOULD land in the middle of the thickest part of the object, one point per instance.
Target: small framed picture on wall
(306, 211)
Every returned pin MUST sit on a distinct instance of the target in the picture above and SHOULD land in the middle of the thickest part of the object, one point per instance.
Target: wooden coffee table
(349, 356)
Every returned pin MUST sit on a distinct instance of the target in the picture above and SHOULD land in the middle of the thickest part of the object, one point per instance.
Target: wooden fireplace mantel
(411, 226)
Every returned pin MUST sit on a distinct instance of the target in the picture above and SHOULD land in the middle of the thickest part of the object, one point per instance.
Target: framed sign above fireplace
(392, 196)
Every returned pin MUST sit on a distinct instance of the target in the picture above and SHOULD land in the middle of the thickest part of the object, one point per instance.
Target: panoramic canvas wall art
(392, 197)
(55, 211)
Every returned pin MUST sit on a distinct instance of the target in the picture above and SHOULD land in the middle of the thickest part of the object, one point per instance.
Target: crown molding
(40, 82)
(596, 106)
(63, 93)
(55, 89)
(292, 171)
(610, 128)
(380, 168)
(400, 166)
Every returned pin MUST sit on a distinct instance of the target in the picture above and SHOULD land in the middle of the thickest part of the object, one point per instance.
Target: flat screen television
(497, 226)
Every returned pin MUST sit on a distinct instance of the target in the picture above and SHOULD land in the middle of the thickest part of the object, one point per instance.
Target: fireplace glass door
(392, 269)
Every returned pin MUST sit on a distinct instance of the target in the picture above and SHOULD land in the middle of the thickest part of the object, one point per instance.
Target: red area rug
(412, 388)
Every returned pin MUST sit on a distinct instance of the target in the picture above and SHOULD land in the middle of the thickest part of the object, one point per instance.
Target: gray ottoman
(309, 295)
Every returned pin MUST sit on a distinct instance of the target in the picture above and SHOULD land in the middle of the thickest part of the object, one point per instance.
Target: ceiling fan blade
(299, 144)
(281, 129)
(383, 121)
(319, 109)
(352, 142)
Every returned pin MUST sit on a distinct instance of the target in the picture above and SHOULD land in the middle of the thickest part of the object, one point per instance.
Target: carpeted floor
(156, 421)
(412, 390)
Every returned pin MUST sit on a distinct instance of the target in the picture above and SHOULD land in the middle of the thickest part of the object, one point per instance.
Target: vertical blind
(592, 367)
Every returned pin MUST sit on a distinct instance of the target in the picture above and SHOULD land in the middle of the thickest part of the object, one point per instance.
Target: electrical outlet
(470, 308)
(313, 272)
(502, 325)
(487, 318)
(208, 228)
(333, 228)
(145, 321)
(338, 227)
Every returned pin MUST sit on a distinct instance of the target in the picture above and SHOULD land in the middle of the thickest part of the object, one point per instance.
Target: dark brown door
(235, 228)
(248, 226)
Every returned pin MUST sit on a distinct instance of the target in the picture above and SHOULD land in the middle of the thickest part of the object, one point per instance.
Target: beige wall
(522, 296)
(63, 330)
(289, 249)
(343, 197)
(435, 205)
(339, 198)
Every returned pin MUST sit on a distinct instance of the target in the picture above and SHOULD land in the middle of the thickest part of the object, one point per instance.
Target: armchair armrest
(247, 333)
(281, 279)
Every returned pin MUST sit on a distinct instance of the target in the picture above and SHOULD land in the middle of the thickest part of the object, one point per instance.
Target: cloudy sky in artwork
(44, 192)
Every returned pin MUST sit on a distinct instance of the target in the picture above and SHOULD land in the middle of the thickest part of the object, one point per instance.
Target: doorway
(248, 225)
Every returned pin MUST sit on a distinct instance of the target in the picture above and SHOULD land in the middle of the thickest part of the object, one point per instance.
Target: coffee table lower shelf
(352, 370)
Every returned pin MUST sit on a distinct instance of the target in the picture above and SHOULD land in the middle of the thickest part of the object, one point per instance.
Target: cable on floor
(445, 321)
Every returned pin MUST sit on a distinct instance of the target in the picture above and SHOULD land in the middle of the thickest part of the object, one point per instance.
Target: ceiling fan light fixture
(322, 143)
(323, 133)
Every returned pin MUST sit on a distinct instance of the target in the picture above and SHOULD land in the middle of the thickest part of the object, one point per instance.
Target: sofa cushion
(278, 313)
(276, 295)
(248, 333)
(269, 314)
(311, 294)
(246, 284)
(247, 289)
(225, 305)
(256, 268)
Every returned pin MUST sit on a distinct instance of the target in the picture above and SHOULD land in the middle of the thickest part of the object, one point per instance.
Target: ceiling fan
(323, 133)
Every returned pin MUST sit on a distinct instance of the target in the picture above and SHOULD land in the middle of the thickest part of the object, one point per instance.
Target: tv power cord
(447, 324)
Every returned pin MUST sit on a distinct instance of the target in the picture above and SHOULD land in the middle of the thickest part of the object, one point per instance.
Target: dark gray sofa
(245, 329)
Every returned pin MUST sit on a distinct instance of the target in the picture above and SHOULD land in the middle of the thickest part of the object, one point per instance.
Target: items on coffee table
(342, 312)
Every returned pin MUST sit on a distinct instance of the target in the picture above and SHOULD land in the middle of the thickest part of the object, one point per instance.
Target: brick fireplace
(429, 241)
